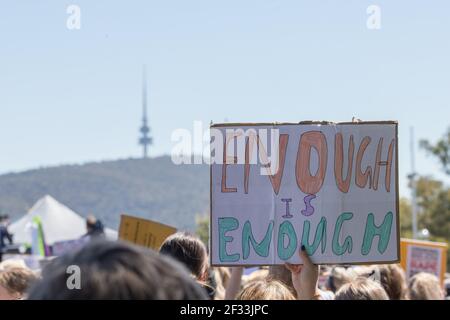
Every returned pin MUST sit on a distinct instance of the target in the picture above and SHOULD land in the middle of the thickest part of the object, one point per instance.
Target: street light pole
(413, 185)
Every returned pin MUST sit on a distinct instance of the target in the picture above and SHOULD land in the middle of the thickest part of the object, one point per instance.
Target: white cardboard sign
(330, 187)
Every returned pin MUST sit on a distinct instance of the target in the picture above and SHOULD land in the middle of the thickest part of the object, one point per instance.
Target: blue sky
(74, 96)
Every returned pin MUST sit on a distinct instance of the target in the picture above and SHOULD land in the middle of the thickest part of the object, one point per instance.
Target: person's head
(339, 276)
(15, 282)
(190, 251)
(225, 275)
(4, 219)
(282, 274)
(447, 288)
(215, 282)
(425, 286)
(12, 264)
(90, 222)
(94, 225)
(104, 270)
(362, 289)
(393, 280)
(265, 290)
(257, 275)
(218, 278)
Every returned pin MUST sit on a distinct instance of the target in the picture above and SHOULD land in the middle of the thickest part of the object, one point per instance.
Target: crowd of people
(181, 271)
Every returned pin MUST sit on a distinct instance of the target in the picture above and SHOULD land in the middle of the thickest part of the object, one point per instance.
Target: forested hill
(150, 188)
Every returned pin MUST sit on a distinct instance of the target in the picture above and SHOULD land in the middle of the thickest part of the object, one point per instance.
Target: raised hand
(305, 277)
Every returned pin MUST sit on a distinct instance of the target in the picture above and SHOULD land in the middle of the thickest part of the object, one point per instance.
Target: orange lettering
(225, 189)
(343, 185)
(387, 163)
(308, 183)
(361, 178)
(275, 179)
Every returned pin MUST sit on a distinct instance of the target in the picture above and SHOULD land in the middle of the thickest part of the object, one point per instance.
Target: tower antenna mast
(146, 140)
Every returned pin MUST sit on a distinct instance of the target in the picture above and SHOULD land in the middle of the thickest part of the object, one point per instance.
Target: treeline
(152, 188)
(433, 198)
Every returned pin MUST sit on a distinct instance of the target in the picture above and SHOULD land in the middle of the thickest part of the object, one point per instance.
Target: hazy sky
(74, 96)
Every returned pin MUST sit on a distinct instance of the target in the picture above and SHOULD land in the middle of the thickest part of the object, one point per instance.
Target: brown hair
(189, 250)
(17, 280)
(425, 286)
(265, 290)
(362, 289)
(393, 280)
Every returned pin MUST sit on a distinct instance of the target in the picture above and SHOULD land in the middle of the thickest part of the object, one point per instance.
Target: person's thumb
(305, 257)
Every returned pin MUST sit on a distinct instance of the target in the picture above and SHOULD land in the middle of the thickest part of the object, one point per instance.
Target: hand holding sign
(305, 277)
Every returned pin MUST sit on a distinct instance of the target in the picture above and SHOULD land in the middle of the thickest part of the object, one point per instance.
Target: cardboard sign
(424, 256)
(144, 232)
(330, 187)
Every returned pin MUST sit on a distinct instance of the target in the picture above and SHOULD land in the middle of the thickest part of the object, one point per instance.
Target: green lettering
(226, 225)
(348, 242)
(262, 248)
(286, 229)
(383, 231)
(320, 236)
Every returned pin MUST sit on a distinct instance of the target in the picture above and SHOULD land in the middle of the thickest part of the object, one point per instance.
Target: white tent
(58, 222)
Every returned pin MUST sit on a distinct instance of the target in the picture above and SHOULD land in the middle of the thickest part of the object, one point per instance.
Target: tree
(434, 196)
(441, 150)
(202, 222)
(433, 201)
(405, 218)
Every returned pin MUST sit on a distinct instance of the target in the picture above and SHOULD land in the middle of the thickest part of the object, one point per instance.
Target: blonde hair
(17, 281)
(220, 287)
(340, 276)
(265, 290)
(393, 280)
(257, 275)
(282, 274)
(362, 289)
(425, 286)
(225, 275)
(12, 264)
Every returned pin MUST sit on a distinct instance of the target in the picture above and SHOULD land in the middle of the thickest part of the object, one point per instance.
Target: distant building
(145, 140)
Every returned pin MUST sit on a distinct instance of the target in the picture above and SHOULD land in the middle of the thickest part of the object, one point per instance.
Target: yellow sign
(423, 256)
(144, 232)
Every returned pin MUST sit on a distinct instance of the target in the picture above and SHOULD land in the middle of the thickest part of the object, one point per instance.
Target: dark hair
(189, 250)
(116, 270)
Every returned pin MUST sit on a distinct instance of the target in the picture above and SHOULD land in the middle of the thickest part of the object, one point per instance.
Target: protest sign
(423, 256)
(144, 232)
(330, 187)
